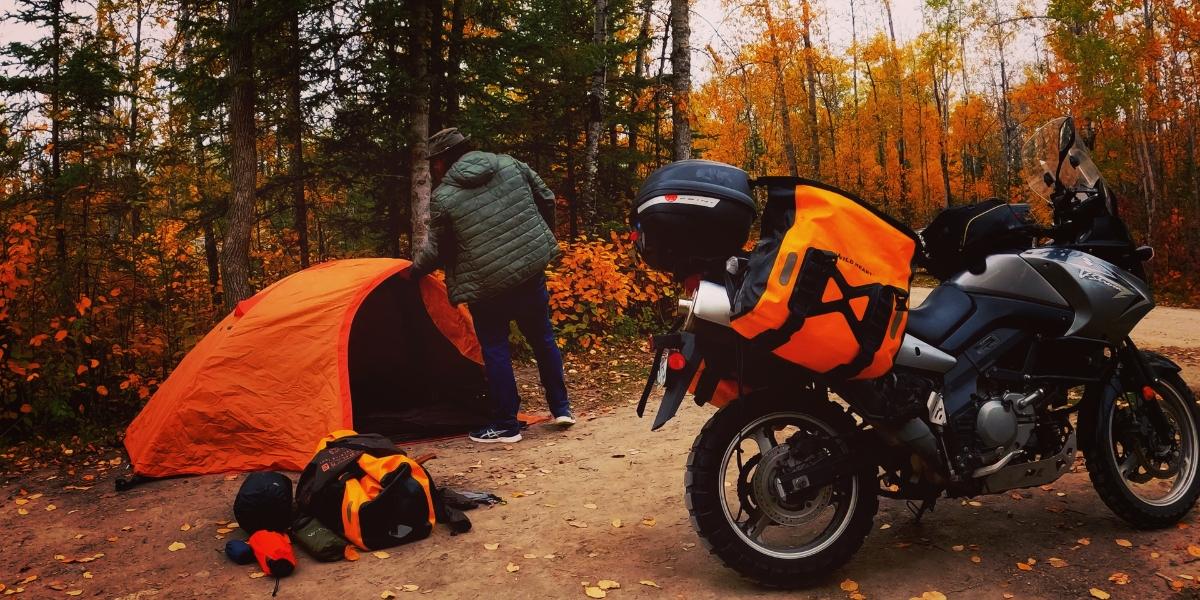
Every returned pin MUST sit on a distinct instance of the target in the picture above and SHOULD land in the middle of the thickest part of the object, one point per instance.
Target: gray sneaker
(564, 420)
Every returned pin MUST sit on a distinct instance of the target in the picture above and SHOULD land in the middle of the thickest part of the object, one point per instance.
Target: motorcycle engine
(1004, 423)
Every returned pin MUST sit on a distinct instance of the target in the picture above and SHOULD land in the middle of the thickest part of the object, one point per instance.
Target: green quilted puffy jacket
(490, 227)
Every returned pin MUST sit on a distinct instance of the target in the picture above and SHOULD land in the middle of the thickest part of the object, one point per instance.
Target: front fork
(1143, 382)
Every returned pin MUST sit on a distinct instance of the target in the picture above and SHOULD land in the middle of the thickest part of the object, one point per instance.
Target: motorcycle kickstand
(919, 511)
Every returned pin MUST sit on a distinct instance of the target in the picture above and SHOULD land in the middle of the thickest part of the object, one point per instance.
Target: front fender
(1099, 398)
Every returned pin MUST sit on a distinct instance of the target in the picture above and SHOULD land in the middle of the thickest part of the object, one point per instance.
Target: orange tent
(348, 344)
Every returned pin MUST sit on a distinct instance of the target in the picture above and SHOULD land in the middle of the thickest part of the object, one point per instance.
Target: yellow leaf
(491, 546)
(589, 506)
(50, 507)
(74, 592)
(1099, 594)
(648, 583)
(648, 521)
(381, 555)
(608, 584)
(1124, 543)
(1194, 550)
(849, 585)
(933, 596)
(387, 595)
(616, 523)
(410, 587)
(1057, 563)
(1119, 578)
(594, 592)
(257, 575)
(512, 568)
(185, 527)
(176, 546)
(976, 559)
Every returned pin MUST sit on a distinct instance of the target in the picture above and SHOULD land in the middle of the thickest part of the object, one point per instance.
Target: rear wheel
(1146, 474)
(737, 504)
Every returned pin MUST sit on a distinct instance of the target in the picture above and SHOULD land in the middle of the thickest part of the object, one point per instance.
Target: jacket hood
(473, 169)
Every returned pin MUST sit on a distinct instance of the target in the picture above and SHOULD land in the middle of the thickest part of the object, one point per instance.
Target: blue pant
(529, 305)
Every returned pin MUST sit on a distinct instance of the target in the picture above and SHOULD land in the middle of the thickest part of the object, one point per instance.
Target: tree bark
(785, 109)
(295, 118)
(437, 66)
(901, 145)
(235, 251)
(595, 103)
(681, 79)
(419, 117)
(639, 71)
(810, 69)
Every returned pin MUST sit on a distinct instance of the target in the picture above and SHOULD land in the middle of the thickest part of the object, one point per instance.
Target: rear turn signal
(1148, 393)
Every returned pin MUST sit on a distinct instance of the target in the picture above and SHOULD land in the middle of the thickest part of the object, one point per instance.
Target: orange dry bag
(828, 281)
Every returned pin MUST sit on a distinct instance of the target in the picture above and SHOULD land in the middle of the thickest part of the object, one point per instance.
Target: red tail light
(691, 284)
(676, 361)
(1148, 393)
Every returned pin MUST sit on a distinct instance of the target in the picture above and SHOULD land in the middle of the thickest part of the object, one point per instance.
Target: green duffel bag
(317, 540)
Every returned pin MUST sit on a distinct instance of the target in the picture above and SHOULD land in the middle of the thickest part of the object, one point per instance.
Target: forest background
(161, 160)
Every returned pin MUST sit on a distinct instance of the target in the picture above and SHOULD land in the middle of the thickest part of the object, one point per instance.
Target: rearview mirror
(1066, 136)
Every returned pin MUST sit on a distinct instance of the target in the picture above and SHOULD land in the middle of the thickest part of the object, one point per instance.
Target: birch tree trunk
(681, 79)
(595, 123)
(420, 180)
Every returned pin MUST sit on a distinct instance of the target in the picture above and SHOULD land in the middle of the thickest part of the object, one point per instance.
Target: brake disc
(768, 493)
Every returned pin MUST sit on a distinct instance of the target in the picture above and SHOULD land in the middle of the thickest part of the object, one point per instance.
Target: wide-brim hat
(444, 140)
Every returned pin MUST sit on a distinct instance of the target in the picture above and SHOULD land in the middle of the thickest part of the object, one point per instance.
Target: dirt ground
(566, 493)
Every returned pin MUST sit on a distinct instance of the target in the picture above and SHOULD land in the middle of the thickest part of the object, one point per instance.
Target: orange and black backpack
(828, 282)
(370, 492)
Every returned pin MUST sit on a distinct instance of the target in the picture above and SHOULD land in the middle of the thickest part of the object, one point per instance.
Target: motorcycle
(1018, 359)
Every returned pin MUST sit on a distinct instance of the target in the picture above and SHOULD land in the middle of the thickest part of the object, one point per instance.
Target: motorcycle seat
(937, 317)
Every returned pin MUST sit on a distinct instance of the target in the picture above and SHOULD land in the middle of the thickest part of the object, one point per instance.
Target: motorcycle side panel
(1010, 276)
(1108, 302)
(917, 354)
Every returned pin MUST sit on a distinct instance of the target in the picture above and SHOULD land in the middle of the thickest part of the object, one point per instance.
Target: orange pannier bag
(828, 282)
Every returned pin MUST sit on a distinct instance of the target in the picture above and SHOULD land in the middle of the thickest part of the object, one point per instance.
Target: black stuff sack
(264, 502)
(317, 540)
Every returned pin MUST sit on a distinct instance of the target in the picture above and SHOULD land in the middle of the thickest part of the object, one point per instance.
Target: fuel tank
(1107, 302)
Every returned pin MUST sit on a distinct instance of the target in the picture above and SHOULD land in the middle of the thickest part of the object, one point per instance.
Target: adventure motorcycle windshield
(1043, 165)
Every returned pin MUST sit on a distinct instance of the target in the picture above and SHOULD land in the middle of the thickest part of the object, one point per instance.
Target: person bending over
(491, 227)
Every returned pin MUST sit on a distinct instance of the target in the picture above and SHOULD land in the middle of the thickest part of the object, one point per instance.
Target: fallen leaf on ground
(885, 526)
(530, 556)
(1099, 594)
(350, 553)
(1119, 578)
(410, 587)
(1083, 541)
(648, 583)
(224, 530)
(607, 584)
(975, 503)
(958, 548)
(381, 555)
(1194, 550)
(616, 523)
(579, 524)
(512, 567)
(1024, 567)
(387, 594)
(87, 574)
(57, 586)
(976, 559)
(1008, 596)
(233, 524)
(491, 546)
(176, 546)
(648, 521)
(22, 511)
(185, 527)
(30, 579)
(1124, 543)
(257, 575)
(594, 592)
(933, 596)
(589, 506)
(74, 592)
(849, 585)
(1057, 563)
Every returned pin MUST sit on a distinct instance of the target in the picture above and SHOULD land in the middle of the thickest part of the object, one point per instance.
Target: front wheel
(1143, 461)
(740, 509)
